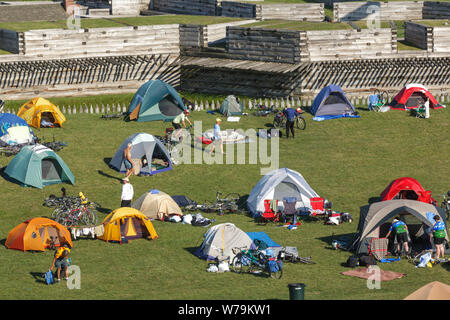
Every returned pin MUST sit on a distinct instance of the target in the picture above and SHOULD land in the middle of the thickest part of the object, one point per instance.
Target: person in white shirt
(127, 193)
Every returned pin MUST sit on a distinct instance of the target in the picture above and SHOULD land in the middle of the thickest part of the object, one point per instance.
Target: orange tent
(35, 234)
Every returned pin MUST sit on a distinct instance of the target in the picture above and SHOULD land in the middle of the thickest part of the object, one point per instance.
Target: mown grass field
(347, 161)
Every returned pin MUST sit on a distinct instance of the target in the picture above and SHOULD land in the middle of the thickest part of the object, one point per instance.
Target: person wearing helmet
(180, 119)
(290, 115)
(401, 231)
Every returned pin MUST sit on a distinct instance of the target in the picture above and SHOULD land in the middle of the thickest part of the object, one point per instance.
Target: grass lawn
(116, 22)
(347, 161)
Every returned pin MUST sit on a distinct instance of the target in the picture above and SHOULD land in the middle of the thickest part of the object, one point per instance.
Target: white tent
(148, 154)
(277, 185)
(220, 240)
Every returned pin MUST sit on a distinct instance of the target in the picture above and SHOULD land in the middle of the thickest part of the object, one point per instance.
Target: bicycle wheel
(238, 266)
(276, 274)
(384, 97)
(300, 123)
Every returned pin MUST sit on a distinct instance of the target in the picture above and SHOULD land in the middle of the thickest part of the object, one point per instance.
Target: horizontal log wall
(192, 36)
(194, 7)
(396, 10)
(9, 40)
(156, 39)
(441, 39)
(218, 32)
(238, 9)
(356, 77)
(302, 12)
(85, 76)
(419, 35)
(436, 10)
(263, 44)
(348, 44)
(128, 7)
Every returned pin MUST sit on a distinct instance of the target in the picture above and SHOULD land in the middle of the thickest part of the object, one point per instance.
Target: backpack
(352, 262)
(366, 260)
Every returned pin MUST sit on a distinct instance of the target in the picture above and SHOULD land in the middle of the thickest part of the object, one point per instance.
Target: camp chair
(269, 215)
(378, 247)
(317, 206)
(289, 209)
(420, 111)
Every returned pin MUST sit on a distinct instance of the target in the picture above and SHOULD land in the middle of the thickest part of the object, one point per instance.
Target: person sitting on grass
(60, 261)
(401, 231)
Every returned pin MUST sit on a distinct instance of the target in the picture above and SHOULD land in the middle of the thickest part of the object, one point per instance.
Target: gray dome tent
(147, 152)
(277, 185)
(375, 220)
(231, 107)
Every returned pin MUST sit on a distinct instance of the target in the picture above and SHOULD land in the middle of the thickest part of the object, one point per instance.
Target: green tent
(38, 166)
(231, 107)
(155, 100)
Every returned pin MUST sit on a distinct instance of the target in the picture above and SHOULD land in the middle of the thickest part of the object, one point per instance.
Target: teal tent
(38, 166)
(231, 107)
(155, 100)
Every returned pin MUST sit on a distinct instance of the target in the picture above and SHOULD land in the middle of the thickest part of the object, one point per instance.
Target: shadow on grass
(373, 200)
(100, 172)
(39, 277)
(348, 238)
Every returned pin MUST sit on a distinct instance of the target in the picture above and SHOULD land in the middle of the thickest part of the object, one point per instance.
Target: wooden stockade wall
(263, 44)
(349, 44)
(432, 39)
(302, 11)
(195, 7)
(9, 40)
(356, 77)
(396, 10)
(22, 79)
(436, 10)
(128, 7)
(419, 35)
(154, 39)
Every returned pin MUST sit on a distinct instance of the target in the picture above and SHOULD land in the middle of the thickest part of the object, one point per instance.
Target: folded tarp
(183, 201)
(262, 236)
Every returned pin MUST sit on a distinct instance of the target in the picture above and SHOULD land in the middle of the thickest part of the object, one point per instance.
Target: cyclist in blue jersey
(437, 236)
(401, 232)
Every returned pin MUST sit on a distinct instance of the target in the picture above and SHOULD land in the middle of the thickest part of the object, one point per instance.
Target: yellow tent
(127, 223)
(38, 109)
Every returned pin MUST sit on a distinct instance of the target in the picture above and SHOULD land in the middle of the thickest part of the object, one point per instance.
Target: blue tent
(155, 100)
(331, 103)
(8, 134)
(262, 236)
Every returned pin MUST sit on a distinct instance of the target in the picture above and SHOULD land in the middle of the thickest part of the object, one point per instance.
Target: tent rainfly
(155, 100)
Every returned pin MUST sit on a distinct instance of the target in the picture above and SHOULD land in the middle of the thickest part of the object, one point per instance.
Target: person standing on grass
(290, 115)
(437, 236)
(60, 261)
(127, 193)
(217, 137)
(401, 231)
(127, 160)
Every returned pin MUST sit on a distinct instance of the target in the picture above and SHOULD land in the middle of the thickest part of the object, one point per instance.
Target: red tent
(407, 188)
(412, 96)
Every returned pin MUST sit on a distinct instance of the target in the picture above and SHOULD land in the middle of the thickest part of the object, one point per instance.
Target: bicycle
(446, 204)
(70, 211)
(264, 111)
(380, 100)
(255, 262)
(172, 141)
(279, 121)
